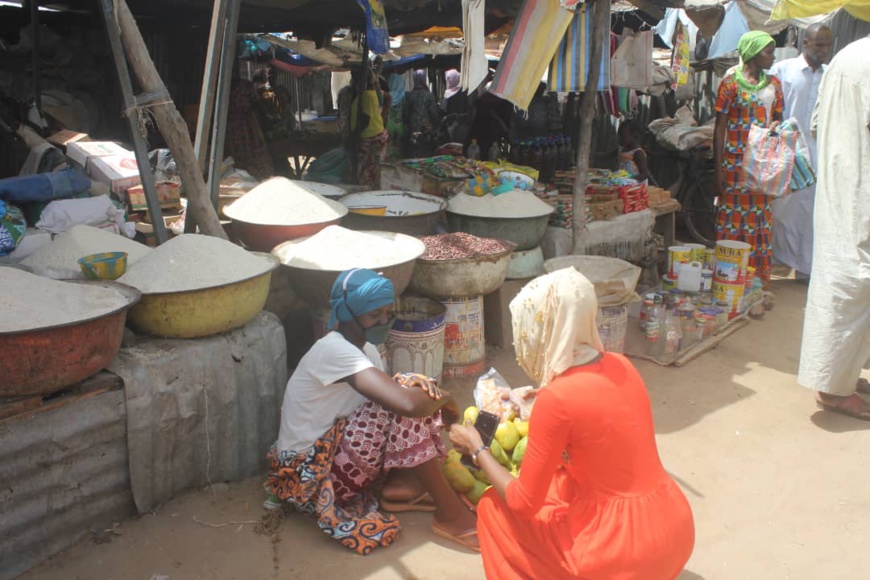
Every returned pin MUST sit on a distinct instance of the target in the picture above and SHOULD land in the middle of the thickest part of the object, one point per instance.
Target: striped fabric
(802, 176)
(569, 68)
(538, 30)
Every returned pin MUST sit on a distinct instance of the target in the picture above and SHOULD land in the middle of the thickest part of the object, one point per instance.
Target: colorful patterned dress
(744, 215)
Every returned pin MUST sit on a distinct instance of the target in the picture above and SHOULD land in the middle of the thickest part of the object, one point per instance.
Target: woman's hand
(413, 380)
(465, 438)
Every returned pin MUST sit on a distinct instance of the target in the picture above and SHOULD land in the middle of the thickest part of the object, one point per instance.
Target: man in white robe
(793, 214)
(836, 336)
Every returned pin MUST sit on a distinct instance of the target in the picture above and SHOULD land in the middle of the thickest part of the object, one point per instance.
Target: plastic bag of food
(492, 394)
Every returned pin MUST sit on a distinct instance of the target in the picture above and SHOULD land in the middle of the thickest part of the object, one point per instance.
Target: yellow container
(729, 294)
(104, 266)
(377, 210)
(199, 313)
(698, 251)
(732, 259)
(677, 256)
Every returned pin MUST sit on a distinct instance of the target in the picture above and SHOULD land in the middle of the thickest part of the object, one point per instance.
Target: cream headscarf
(554, 324)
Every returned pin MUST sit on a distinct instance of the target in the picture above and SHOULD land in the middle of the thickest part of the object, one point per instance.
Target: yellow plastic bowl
(104, 266)
(199, 313)
(379, 210)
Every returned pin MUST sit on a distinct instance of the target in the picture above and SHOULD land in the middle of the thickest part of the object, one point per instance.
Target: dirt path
(779, 489)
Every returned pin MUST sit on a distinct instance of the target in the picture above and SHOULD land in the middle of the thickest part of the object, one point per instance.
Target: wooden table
(301, 151)
(666, 220)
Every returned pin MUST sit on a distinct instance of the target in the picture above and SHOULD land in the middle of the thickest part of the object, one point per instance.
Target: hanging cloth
(569, 68)
(682, 58)
(474, 64)
(786, 9)
(539, 28)
(632, 63)
(376, 25)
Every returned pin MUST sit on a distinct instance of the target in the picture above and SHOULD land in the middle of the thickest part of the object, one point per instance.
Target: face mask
(378, 334)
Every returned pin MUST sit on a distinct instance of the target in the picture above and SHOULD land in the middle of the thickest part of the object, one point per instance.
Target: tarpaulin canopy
(785, 9)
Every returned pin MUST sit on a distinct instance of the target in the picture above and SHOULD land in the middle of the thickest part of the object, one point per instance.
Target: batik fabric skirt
(372, 152)
(745, 216)
(336, 480)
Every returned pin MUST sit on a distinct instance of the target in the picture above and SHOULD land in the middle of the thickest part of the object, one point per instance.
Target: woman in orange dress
(592, 499)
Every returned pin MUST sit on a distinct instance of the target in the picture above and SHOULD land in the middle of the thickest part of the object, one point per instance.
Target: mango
(476, 492)
(480, 475)
(520, 451)
(453, 456)
(499, 454)
(470, 414)
(522, 427)
(459, 477)
(507, 436)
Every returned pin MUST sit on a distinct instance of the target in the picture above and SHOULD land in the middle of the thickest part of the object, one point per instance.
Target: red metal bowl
(46, 360)
(263, 238)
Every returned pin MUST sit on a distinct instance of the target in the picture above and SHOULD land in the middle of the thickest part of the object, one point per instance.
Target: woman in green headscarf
(747, 96)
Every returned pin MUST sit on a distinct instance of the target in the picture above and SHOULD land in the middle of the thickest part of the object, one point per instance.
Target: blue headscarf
(358, 290)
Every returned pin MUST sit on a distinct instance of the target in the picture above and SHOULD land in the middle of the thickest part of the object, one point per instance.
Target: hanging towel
(474, 63)
(569, 68)
(539, 28)
(376, 25)
(632, 65)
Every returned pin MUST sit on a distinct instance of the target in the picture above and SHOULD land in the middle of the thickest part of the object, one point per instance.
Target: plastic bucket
(729, 294)
(416, 341)
(612, 322)
(732, 259)
(677, 256)
(464, 347)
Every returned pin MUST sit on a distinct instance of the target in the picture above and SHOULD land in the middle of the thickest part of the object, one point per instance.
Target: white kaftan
(836, 337)
(793, 214)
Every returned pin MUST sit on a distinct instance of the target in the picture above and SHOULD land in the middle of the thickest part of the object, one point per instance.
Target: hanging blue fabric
(376, 26)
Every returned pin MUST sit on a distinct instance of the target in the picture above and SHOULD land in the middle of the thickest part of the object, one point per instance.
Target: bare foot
(402, 486)
(460, 526)
(852, 405)
(863, 386)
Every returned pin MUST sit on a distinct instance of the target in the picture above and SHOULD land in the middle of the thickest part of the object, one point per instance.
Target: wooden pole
(171, 125)
(209, 80)
(36, 60)
(600, 25)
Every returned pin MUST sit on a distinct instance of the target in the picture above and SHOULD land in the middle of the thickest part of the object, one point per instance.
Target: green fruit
(470, 414)
(499, 454)
(520, 451)
(459, 477)
(477, 491)
(453, 456)
(480, 475)
(507, 435)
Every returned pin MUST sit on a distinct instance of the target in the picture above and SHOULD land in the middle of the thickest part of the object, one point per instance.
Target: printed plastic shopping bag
(768, 160)
(802, 176)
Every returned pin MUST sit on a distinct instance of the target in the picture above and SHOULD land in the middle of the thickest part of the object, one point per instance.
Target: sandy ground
(779, 489)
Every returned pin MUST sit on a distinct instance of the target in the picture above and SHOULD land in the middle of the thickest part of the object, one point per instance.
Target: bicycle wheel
(699, 210)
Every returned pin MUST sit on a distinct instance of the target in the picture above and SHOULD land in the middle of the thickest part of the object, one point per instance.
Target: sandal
(851, 406)
(421, 503)
(461, 538)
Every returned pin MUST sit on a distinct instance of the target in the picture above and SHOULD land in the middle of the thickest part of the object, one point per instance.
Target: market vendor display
(345, 423)
(592, 499)
(747, 96)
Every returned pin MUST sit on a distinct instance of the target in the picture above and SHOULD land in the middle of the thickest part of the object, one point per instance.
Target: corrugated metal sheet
(62, 472)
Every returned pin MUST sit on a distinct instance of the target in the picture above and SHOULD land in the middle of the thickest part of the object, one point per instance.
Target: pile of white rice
(194, 262)
(511, 204)
(31, 302)
(59, 259)
(281, 202)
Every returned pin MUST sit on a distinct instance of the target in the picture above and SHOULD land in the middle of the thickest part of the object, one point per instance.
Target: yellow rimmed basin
(205, 312)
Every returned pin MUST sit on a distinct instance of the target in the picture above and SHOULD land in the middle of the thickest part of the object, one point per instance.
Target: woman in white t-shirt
(347, 428)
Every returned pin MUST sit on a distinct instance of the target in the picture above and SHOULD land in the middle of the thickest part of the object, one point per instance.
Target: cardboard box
(82, 151)
(120, 172)
(168, 194)
(65, 138)
(145, 231)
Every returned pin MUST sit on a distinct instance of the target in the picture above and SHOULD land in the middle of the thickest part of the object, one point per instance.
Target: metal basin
(525, 232)
(460, 278)
(198, 313)
(414, 214)
(46, 360)
(314, 285)
(263, 238)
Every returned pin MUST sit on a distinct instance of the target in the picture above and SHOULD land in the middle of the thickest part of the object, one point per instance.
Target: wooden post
(171, 125)
(600, 25)
(36, 60)
(209, 80)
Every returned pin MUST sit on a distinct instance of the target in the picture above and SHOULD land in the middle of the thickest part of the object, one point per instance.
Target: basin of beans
(461, 246)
